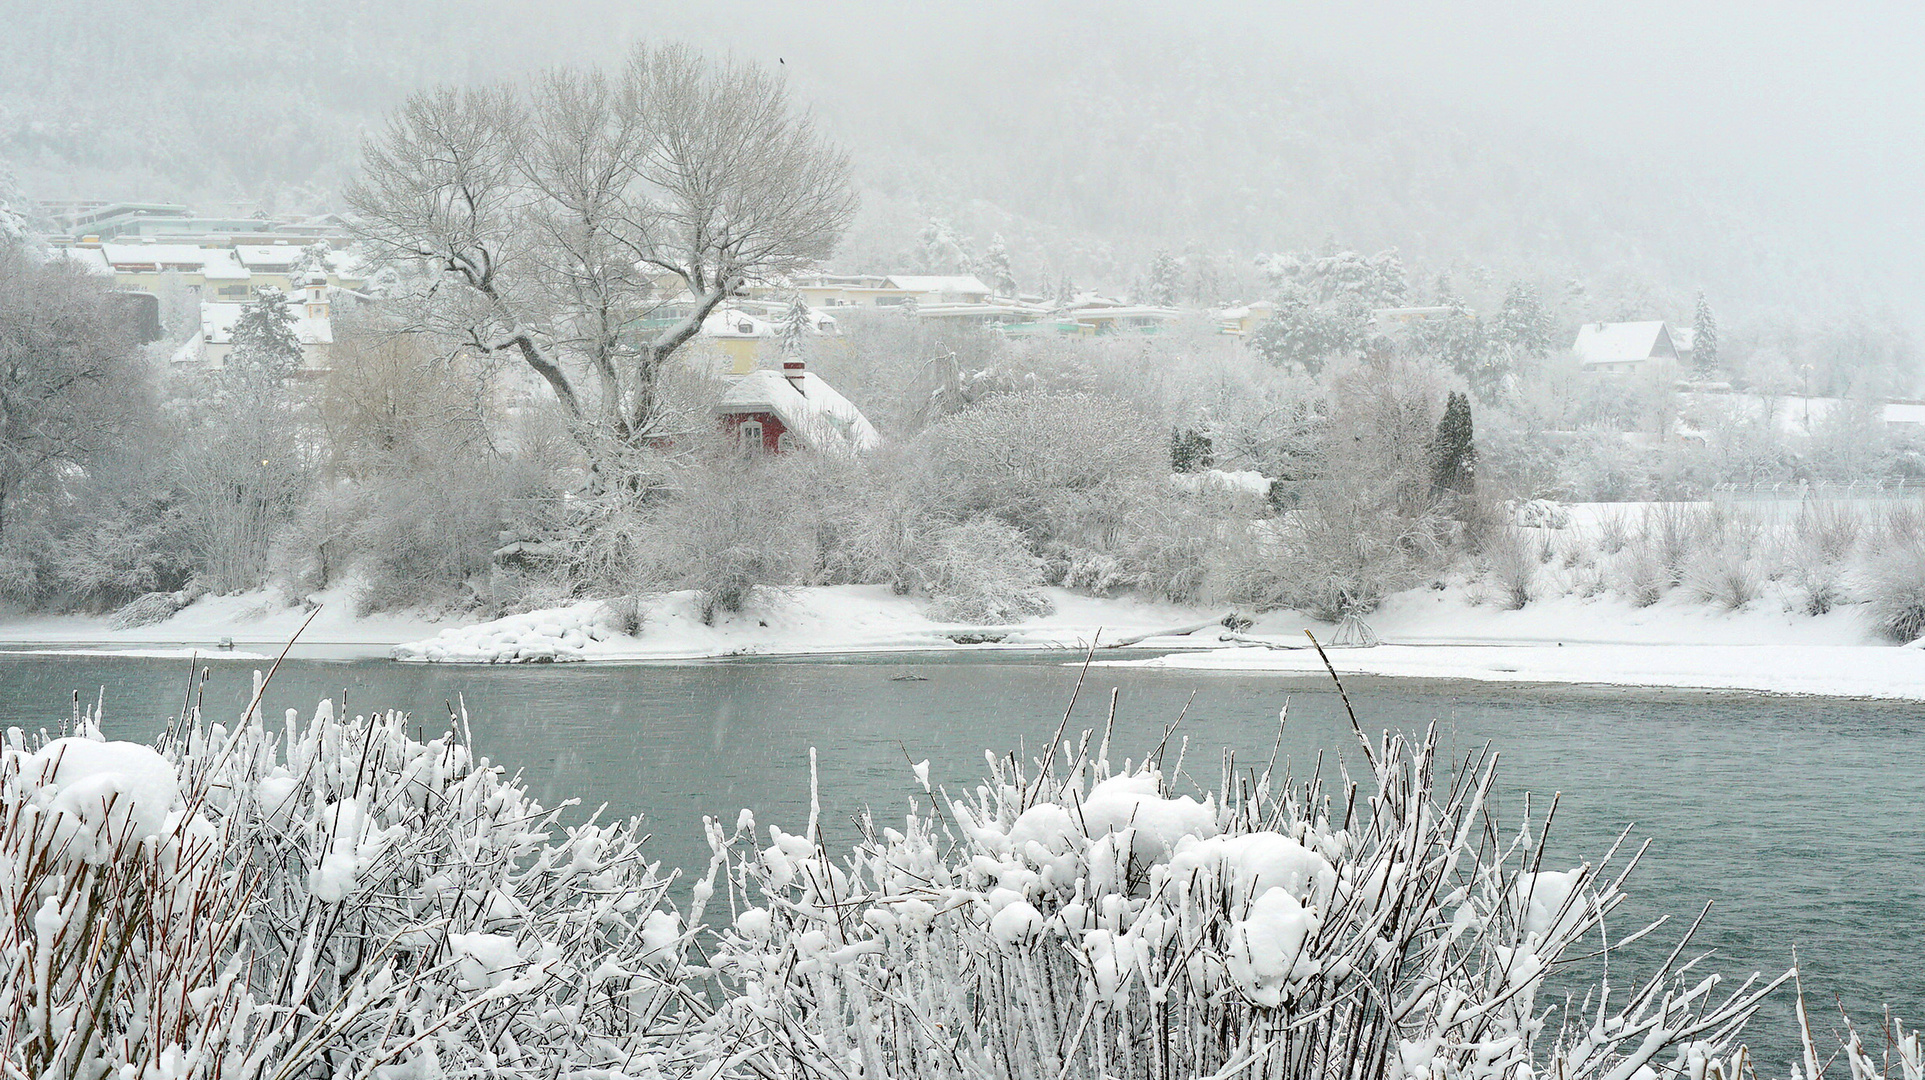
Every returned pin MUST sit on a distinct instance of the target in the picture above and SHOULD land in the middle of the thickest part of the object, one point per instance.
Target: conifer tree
(1166, 280)
(792, 332)
(1453, 452)
(1191, 451)
(1704, 339)
(265, 345)
(996, 270)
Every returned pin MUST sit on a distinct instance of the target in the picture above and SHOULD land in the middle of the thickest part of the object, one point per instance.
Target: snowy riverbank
(1426, 633)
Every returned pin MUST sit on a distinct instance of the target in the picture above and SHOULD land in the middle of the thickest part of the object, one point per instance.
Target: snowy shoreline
(1427, 635)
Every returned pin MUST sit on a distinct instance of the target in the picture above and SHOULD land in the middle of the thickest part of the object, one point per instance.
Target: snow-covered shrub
(982, 572)
(1063, 469)
(1894, 586)
(1513, 567)
(344, 896)
(1540, 514)
(1822, 540)
(736, 526)
(1079, 920)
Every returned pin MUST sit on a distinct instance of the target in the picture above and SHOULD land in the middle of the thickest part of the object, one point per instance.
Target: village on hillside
(188, 277)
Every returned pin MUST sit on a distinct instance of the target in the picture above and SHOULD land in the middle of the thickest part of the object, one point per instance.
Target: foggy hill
(1087, 146)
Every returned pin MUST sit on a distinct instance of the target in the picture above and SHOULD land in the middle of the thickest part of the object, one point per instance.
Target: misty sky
(1814, 112)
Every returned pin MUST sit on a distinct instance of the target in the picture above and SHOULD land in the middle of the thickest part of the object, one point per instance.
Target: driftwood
(1229, 619)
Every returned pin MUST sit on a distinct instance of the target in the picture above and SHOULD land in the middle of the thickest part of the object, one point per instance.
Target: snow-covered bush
(1063, 469)
(343, 897)
(1080, 920)
(982, 572)
(736, 526)
(1894, 585)
(1513, 567)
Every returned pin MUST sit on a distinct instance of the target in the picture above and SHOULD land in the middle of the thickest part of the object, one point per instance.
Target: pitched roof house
(794, 409)
(313, 325)
(1626, 348)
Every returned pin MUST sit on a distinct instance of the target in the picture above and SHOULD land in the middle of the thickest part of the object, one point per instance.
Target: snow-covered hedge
(348, 897)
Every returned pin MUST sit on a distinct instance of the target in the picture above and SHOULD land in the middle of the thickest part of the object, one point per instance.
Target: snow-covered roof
(89, 259)
(270, 257)
(1617, 343)
(217, 323)
(223, 266)
(734, 323)
(1125, 311)
(816, 413)
(156, 254)
(951, 283)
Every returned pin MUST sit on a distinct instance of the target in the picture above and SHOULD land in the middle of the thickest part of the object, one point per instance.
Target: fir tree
(1704, 339)
(265, 345)
(1065, 292)
(996, 270)
(1191, 451)
(1522, 326)
(1166, 280)
(793, 330)
(1453, 453)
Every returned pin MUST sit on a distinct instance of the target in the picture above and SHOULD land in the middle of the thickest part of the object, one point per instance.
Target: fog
(1766, 153)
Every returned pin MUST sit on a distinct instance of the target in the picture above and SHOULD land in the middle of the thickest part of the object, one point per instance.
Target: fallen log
(1176, 631)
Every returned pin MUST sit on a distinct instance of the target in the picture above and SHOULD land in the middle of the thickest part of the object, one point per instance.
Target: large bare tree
(562, 217)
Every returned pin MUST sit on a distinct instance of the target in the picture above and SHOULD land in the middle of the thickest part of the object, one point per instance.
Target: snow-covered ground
(256, 623)
(1426, 633)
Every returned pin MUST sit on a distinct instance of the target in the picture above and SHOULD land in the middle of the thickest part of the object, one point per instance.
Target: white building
(1636, 349)
(313, 324)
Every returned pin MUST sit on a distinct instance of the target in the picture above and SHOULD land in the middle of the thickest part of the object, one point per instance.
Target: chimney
(792, 370)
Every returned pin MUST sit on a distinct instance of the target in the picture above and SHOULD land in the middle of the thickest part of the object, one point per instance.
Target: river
(1802, 819)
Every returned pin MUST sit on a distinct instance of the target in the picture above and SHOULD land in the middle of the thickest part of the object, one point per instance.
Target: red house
(792, 410)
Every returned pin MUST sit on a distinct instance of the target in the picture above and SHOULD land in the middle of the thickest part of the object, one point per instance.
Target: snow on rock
(557, 635)
(1267, 948)
(104, 796)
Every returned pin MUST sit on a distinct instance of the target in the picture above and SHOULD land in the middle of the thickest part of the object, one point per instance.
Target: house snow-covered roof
(88, 259)
(217, 323)
(929, 283)
(1618, 343)
(816, 413)
(223, 266)
(162, 255)
(733, 323)
(269, 258)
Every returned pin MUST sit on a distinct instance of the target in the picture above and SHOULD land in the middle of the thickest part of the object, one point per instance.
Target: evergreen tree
(1453, 453)
(1191, 451)
(316, 258)
(793, 330)
(996, 272)
(1166, 280)
(265, 346)
(14, 233)
(1065, 292)
(1522, 326)
(941, 251)
(1704, 339)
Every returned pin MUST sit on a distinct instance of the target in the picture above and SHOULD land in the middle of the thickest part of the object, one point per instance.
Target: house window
(785, 443)
(750, 432)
